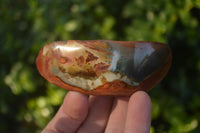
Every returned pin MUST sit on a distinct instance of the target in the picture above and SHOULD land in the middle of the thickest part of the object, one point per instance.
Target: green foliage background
(28, 102)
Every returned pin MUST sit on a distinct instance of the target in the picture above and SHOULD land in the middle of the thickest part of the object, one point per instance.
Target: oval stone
(104, 67)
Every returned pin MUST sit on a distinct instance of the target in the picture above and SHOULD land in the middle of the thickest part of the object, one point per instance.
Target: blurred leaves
(20, 79)
(28, 102)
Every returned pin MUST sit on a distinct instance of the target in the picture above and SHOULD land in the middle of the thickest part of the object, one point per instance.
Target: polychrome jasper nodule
(103, 67)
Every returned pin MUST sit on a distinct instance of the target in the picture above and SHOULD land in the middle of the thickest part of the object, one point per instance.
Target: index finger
(71, 114)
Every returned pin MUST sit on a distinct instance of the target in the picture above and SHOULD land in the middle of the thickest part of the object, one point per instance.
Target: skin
(102, 114)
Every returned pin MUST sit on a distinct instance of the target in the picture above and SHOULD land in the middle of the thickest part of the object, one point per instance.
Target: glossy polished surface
(104, 67)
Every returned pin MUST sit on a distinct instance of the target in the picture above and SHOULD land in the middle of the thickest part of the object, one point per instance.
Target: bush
(28, 102)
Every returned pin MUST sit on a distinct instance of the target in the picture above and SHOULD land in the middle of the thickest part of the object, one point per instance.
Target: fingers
(139, 113)
(70, 115)
(99, 111)
(116, 122)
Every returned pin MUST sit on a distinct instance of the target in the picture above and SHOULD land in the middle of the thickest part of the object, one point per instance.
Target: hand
(98, 114)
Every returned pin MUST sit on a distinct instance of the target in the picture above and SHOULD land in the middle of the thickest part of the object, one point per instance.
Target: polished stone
(89, 66)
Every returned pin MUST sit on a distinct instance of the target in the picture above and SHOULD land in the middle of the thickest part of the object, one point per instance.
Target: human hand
(102, 114)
